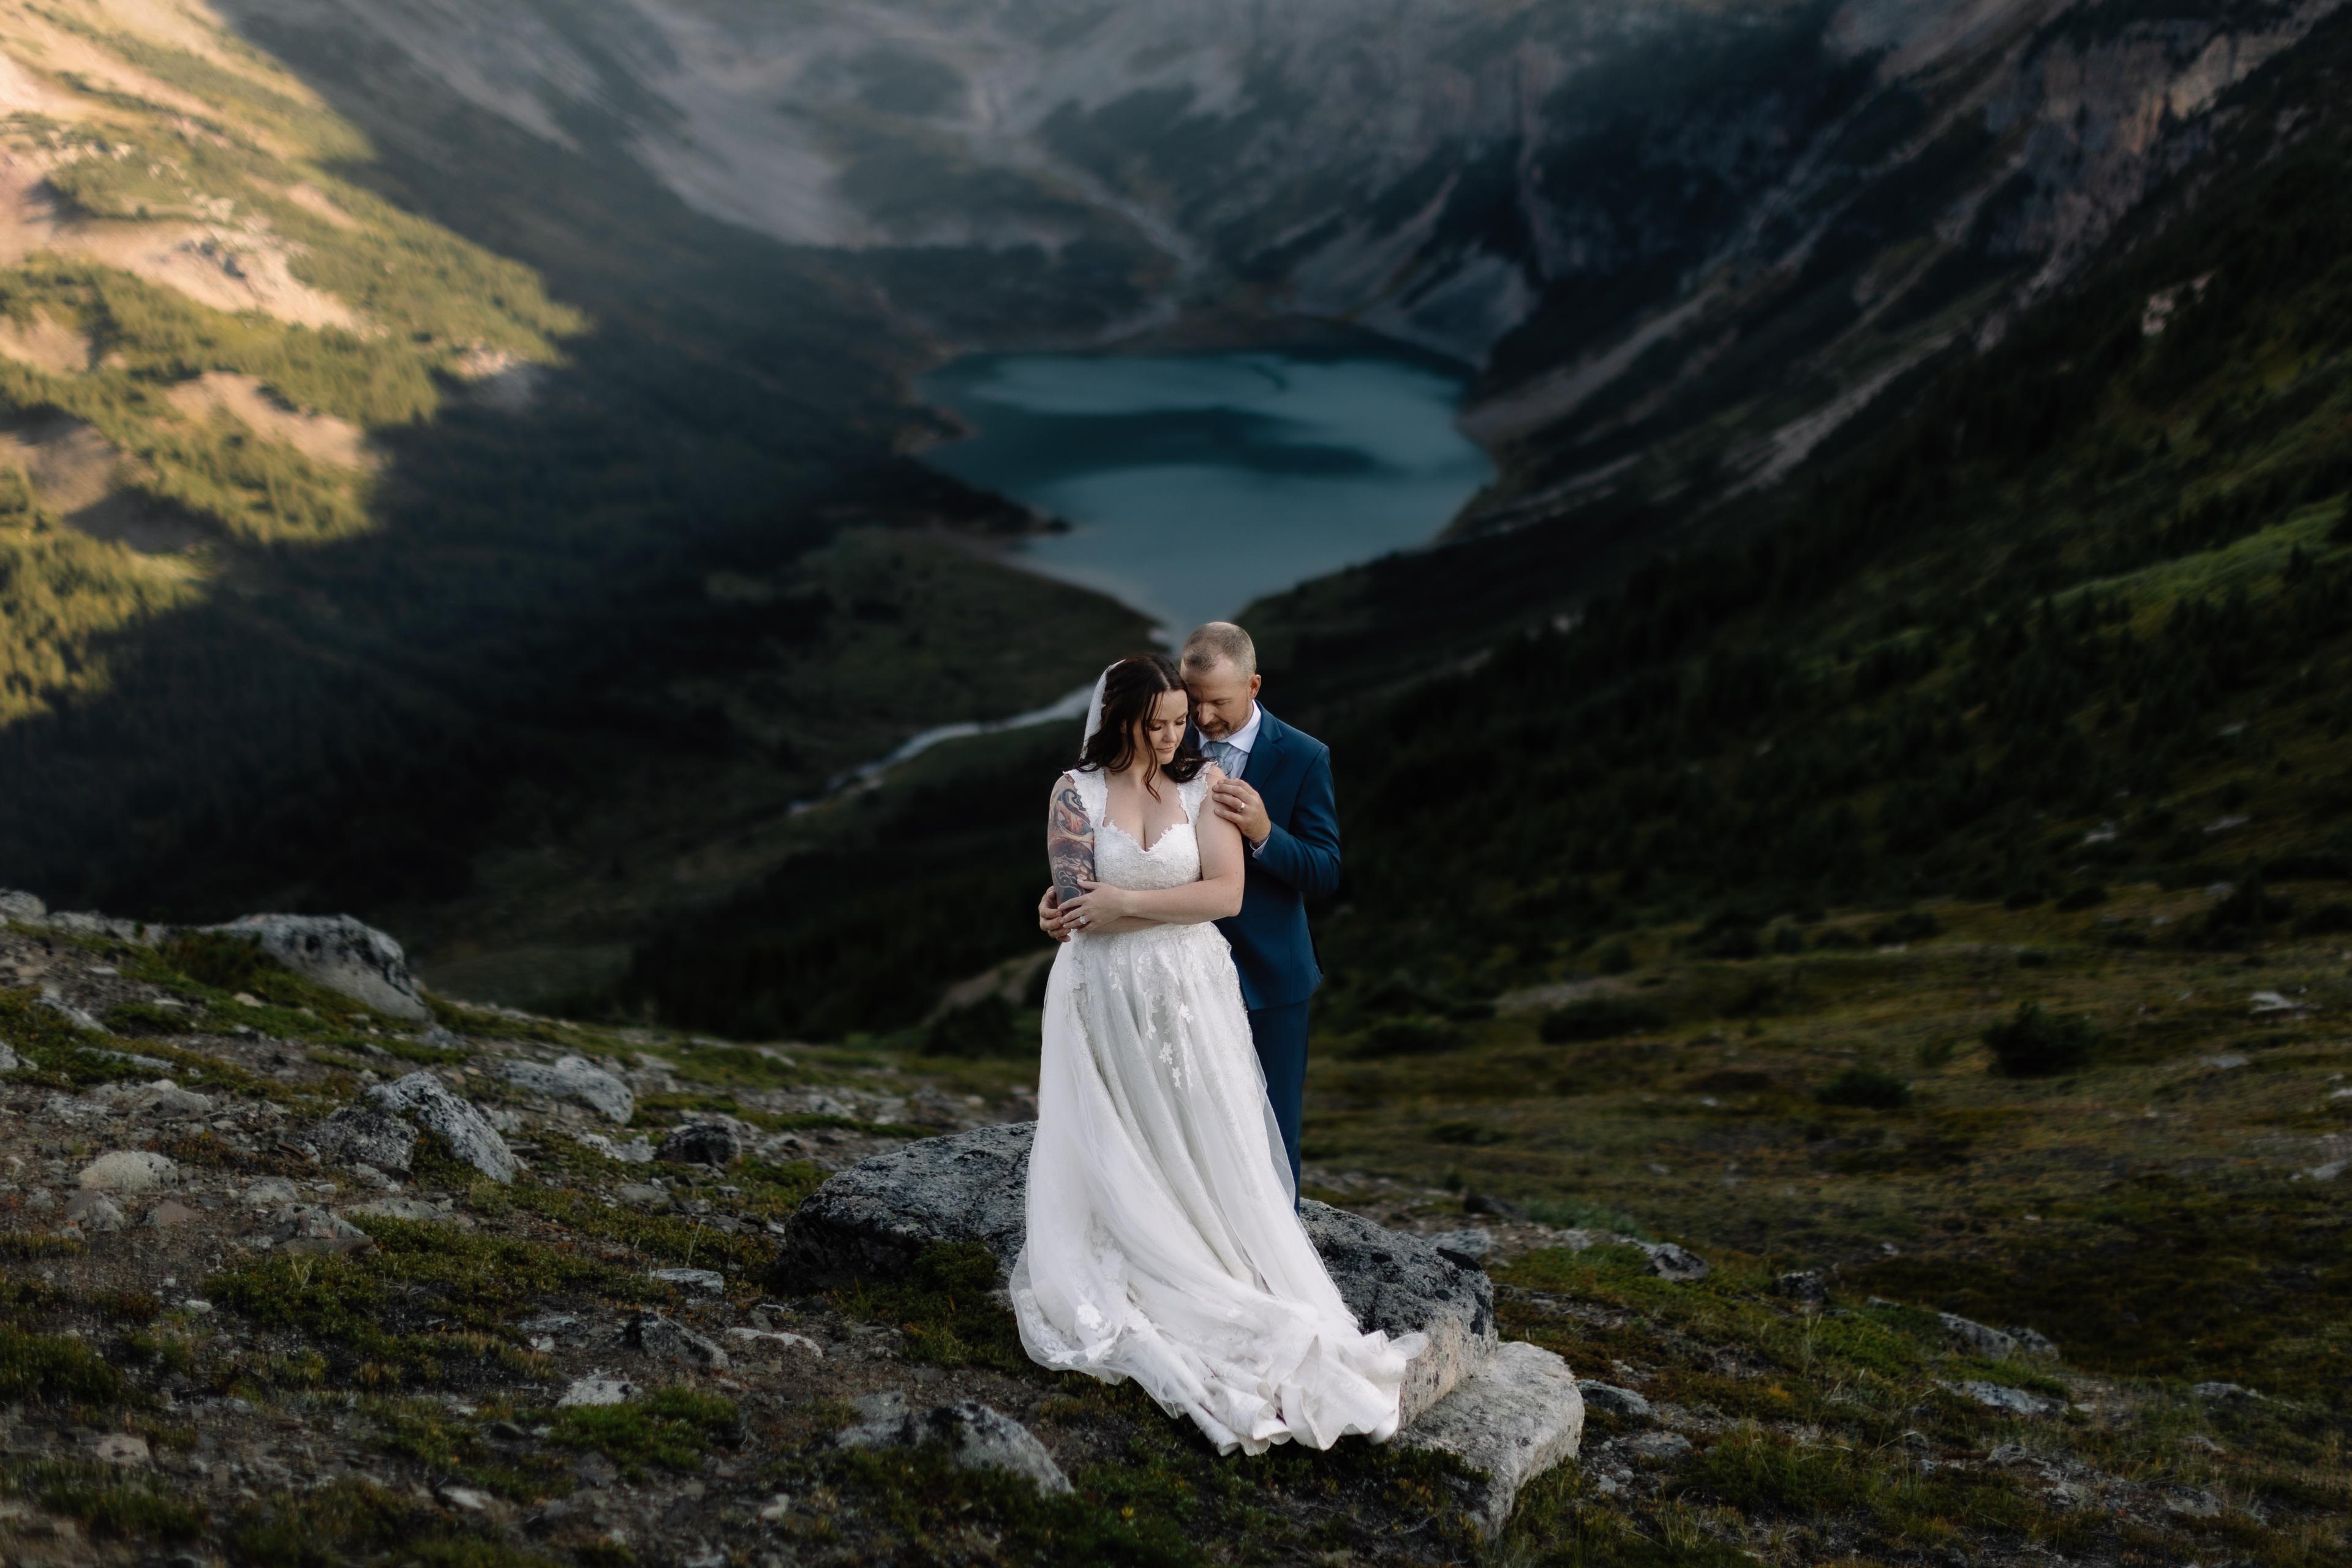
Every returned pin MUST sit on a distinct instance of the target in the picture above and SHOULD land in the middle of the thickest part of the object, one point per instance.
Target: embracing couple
(1163, 1237)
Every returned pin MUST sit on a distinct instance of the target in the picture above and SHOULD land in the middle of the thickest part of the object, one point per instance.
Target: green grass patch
(671, 1428)
(946, 1307)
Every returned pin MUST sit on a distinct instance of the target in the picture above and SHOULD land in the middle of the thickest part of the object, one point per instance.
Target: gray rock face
(340, 953)
(578, 1080)
(1808, 1286)
(361, 1135)
(306, 1227)
(1514, 1415)
(1402, 1284)
(1468, 1247)
(2012, 1401)
(700, 1143)
(977, 1437)
(1976, 1338)
(18, 905)
(421, 1098)
(875, 1218)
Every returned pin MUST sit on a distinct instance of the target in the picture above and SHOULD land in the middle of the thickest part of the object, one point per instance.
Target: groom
(1277, 791)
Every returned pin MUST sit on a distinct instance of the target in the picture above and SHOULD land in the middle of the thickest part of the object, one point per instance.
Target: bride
(1164, 1242)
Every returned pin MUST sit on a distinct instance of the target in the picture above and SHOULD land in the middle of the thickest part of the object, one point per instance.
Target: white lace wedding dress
(1163, 1243)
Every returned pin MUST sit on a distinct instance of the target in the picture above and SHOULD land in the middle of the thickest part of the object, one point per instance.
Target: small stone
(976, 1435)
(466, 1499)
(578, 1080)
(699, 1281)
(2011, 1401)
(306, 1228)
(1976, 1338)
(1807, 1286)
(1489, 1204)
(1615, 1400)
(1662, 1447)
(776, 1509)
(95, 1212)
(699, 1143)
(2034, 1342)
(195, 1306)
(124, 1448)
(1468, 1247)
(2191, 1503)
(129, 1170)
(9, 1061)
(642, 1195)
(1674, 1263)
(753, 1339)
(635, 1152)
(671, 1340)
(416, 1211)
(361, 1135)
(2224, 1390)
(598, 1388)
(272, 1191)
(456, 1122)
(169, 1214)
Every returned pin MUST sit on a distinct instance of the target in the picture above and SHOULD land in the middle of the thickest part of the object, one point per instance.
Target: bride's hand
(1097, 904)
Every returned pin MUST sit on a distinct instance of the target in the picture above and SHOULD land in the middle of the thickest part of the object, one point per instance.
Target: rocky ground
(293, 1279)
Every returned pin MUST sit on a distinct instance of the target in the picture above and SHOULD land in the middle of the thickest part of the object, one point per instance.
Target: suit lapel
(1259, 770)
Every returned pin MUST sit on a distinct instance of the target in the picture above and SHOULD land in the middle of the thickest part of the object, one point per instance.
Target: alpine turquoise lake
(1196, 483)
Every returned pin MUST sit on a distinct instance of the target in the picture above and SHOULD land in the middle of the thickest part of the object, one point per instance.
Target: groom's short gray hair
(1219, 642)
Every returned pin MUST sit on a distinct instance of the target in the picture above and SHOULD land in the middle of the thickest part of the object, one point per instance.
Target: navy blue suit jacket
(1291, 769)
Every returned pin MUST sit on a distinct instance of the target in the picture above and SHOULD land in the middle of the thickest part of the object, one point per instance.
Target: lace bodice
(1174, 859)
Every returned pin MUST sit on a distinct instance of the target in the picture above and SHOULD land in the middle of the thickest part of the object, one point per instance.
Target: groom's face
(1221, 697)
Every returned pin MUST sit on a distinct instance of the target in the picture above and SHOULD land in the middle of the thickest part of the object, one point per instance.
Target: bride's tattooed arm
(1069, 841)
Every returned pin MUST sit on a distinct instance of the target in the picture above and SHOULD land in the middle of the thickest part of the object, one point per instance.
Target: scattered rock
(124, 1448)
(635, 1152)
(129, 1170)
(1615, 1400)
(1468, 1247)
(466, 1498)
(95, 1212)
(2034, 1342)
(1809, 1287)
(2190, 1502)
(363, 1135)
(270, 1192)
(598, 1388)
(699, 1143)
(1511, 1418)
(1976, 1338)
(340, 953)
(753, 1339)
(578, 1080)
(306, 1227)
(874, 1219)
(1489, 1204)
(2223, 1391)
(702, 1281)
(169, 1214)
(416, 1211)
(2000, 1396)
(166, 1101)
(977, 1437)
(9, 1061)
(1663, 1448)
(669, 1340)
(1673, 1263)
(455, 1122)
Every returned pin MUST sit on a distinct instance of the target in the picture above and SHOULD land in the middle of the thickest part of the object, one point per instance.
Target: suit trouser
(1280, 1034)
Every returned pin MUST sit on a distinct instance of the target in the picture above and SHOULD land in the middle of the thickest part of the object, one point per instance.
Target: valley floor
(238, 1352)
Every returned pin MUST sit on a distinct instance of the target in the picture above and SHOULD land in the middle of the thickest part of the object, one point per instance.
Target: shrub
(1865, 1088)
(1408, 1037)
(987, 1028)
(2083, 898)
(1598, 1018)
(2035, 1043)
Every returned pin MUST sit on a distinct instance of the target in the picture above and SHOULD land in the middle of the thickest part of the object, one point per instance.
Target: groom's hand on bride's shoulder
(1050, 918)
(1242, 807)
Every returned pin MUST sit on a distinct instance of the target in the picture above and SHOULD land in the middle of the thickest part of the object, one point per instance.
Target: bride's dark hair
(1130, 690)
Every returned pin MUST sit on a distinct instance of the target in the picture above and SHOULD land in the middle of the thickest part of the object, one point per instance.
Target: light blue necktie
(1223, 754)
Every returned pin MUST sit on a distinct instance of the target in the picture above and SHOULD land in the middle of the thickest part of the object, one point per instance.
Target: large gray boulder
(1515, 1415)
(575, 1079)
(340, 953)
(875, 1218)
(421, 1098)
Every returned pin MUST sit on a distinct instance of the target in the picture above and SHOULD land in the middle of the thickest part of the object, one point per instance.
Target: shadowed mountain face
(465, 435)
